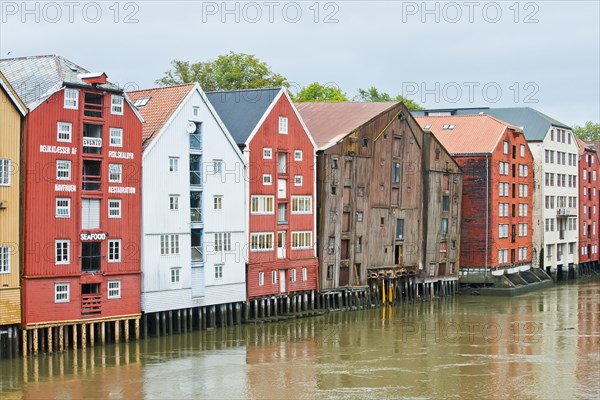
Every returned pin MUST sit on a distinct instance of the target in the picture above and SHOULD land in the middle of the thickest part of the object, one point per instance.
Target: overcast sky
(542, 54)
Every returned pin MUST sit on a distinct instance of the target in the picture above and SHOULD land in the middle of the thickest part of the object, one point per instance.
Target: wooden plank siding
(10, 147)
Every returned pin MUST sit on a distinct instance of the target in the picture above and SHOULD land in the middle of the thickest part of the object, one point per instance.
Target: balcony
(196, 215)
(92, 105)
(197, 254)
(92, 139)
(91, 176)
(566, 212)
(91, 304)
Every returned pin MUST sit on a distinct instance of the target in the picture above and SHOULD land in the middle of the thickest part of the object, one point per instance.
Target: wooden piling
(117, 332)
(126, 329)
(137, 328)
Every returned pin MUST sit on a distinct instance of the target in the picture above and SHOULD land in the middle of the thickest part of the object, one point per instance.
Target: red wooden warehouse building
(589, 168)
(81, 204)
(282, 217)
(497, 188)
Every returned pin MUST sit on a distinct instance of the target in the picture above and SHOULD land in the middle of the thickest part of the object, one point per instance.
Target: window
(222, 241)
(217, 166)
(304, 273)
(522, 230)
(334, 163)
(64, 132)
(114, 289)
(297, 155)
(62, 251)
(293, 275)
(298, 180)
(359, 216)
(400, 229)
(61, 292)
(301, 204)
(261, 241)
(261, 278)
(5, 172)
(195, 111)
(334, 190)
(395, 172)
(506, 147)
(173, 164)
(262, 205)
(71, 99)
(63, 207)
(175, 276)
(218, 271)
(273, 277)
(522, 209)
(217, 202)
(503, 209)
(174, 202)
(116, 137)
(116, 105)
(141, 102)
(503, 168)
(267, 153)
(443, 250)
(523, 170)
(502, 231)
(90, 214)
(115, 173)
(502, 256)
(523, 190)
(522, 150)
(301, 240)
(503, 189)
(4, 260)
(114, 208)
(444, 229)
(267, 180)
(169, 244)
(63, 170)
(445, 203)
(283, 125)
(114, 250)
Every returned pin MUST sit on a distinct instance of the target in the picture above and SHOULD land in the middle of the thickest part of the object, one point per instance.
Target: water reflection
(542, 345)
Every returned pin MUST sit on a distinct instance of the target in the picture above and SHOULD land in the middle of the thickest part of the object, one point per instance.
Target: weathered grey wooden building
(388, 197)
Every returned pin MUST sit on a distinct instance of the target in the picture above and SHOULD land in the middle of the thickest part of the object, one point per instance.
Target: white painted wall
(198, 286)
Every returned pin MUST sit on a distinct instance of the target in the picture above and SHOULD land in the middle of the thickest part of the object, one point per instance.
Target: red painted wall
(41, 227)
(268, 136)
(588, 160)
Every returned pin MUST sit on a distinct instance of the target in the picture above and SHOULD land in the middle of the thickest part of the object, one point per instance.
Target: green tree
(228, 72)
(372, 95)
(589, 131)
(317, 92)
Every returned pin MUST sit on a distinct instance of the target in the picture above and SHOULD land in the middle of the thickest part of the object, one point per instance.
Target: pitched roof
(162, 104)
(10, 92)
(241, 110)
(534, 123)
(471, 134)
(594, 145)
(36, 78)
(328, 123)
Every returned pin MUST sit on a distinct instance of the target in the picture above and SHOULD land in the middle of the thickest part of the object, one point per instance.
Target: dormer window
(116, 105)
(141, 102)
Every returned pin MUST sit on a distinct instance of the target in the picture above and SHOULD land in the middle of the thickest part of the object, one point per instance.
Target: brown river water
(543, 345)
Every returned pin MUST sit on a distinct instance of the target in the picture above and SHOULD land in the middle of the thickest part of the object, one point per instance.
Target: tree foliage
(318, 92)
(372, 94)
(589, 131)
(230, 71)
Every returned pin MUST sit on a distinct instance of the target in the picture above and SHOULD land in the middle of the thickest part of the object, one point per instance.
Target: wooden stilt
(102, 333)
(126, 329)
(83, 336)
(117, 331)
(92, 334)
(137, 329)
(61, 338)
(50, 342)
(24, 342)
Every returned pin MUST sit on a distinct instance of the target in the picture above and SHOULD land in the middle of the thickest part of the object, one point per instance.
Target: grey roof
(535, 124)
(36, 78)
(241, 110)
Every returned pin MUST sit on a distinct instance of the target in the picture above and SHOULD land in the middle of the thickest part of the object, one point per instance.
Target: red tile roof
(162, 104)
(330, 122)
(477, 134)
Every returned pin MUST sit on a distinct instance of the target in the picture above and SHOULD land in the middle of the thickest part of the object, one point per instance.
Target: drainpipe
(487, 208)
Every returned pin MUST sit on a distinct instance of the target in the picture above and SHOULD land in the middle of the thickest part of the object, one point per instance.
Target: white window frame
(522, 150)
(195, 111)
(5, 164)
(267, 179)
(218, 272)
(65, 167)
(115, 173)
(111, 207)
(283, 125)
(61, 289)
(222, 241)
(173, 165)
(68, 132)
(116, 137)
(298, 180)
(301, 205)
(217, 166)
(293, 275)
(297, 155)
(5, 259)
(255, 238)
(117, 107)
(218, 203)
(302, 240)
(67, 259)
(175, 276)
(268, 153)
(71, 96)
(66, 207)
(261, 278)
(114, 289)
(169, 244)
(259, 205)
(304, 274)
(274, 277)
(114, 247)
(174, 202)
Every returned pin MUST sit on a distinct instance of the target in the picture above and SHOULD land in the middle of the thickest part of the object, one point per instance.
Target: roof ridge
(27, 57)
(163, 87)
(243, 90)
